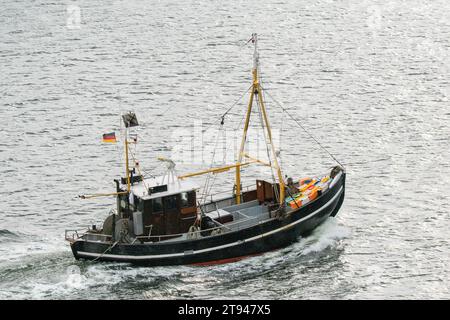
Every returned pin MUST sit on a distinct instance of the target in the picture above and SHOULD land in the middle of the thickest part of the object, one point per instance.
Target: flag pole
(127, 168)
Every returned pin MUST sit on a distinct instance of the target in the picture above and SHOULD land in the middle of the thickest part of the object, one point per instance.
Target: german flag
(109, 137)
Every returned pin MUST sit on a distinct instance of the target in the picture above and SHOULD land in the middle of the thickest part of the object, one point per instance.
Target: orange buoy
(307, 186)
(304, 181)
(297, 203)
(314, 193)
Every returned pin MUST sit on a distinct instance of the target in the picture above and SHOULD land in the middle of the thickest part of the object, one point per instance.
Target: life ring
(193, 232)
(216, 232)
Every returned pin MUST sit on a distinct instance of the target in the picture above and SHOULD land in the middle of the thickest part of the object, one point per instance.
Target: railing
(158, 238)
(195, 234)
(74, 236)
(211, 196)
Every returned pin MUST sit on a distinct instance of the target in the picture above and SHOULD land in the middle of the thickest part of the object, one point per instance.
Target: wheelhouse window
(191, 197)
(157, 205)
(171, 202)
(184, 200)
(123, 201)
(188, 199)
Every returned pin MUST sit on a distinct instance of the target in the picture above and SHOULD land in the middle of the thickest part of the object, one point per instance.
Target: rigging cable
(280, 138)
(258, 103)
(137, 166)
(109, 248)
(208, 184)
(230, 145)
(300, 125)
(221, 131)
(265, 138)
(229, 109)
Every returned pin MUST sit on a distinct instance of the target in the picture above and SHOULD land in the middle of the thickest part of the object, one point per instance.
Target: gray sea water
(369, 79)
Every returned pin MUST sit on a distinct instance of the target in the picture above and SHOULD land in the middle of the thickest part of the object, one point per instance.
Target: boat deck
(226, 216)
(243, 216)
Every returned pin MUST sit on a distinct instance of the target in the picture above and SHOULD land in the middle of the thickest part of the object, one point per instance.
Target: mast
(256, 91)
(130, 120)
(127, 165)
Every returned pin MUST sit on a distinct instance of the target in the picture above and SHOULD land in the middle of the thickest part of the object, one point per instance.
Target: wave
(53, 275)
(7, 232)
(325, 236)
(8, 235)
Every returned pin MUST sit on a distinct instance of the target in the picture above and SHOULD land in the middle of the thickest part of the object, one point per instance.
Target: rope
(208, 185)
(109, 248)
(263, 94)
(280, 137)
(258, 103)
(137, 166)
(229, 109)
(299, 124)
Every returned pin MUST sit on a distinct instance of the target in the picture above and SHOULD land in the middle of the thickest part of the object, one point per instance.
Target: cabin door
(172, 214)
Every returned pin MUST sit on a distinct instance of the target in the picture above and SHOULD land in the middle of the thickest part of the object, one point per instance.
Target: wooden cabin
(159, 207)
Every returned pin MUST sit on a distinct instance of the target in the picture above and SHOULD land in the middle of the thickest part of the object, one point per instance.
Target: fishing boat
(159, 220)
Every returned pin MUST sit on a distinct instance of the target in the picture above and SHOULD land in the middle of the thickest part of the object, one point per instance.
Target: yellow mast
(244, 137)
(219, 169)
(127, 172)
(256, 90)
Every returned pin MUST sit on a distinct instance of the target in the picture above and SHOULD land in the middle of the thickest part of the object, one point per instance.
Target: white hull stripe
(172, 255)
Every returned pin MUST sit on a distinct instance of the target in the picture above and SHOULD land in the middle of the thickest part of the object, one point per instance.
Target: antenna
(254, 40)
(171, 173)
(129, 120)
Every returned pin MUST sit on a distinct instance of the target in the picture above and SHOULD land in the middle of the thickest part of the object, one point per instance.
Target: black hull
(270, 235)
